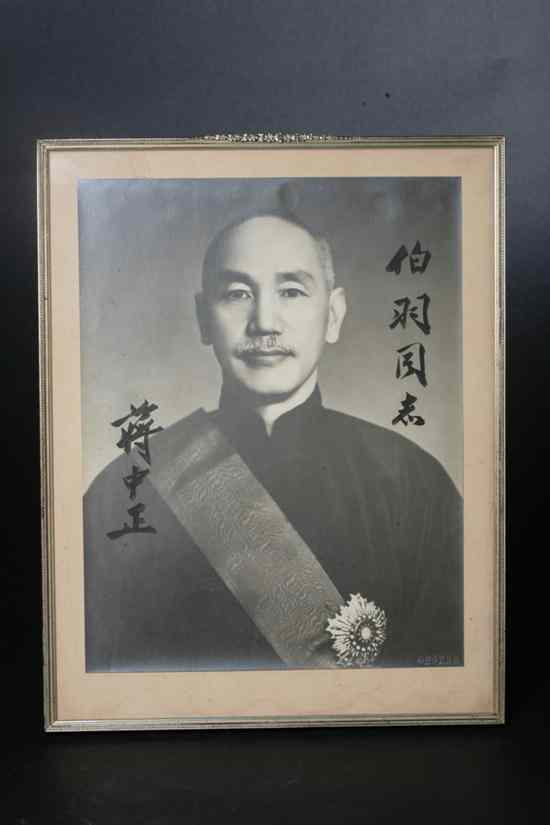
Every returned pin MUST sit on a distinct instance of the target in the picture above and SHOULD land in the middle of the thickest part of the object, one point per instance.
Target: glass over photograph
(272, 423)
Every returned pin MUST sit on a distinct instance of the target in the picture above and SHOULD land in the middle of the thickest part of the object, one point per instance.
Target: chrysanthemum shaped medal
(358, 631)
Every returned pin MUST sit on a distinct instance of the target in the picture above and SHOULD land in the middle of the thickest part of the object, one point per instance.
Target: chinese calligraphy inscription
(411, 358)
(139, 425)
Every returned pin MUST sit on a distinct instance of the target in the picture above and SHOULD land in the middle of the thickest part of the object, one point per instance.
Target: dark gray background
(141, 248)
(172, 68)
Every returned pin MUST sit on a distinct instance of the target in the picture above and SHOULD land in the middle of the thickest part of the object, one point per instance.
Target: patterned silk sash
(248, 540)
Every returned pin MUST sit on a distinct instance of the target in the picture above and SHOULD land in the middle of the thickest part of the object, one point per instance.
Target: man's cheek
(229, 327)
(310, 320)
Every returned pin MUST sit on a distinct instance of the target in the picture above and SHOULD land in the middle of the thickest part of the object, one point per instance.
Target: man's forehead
(267, 241)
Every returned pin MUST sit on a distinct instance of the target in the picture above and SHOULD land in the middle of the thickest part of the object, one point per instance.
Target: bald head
(270, 235)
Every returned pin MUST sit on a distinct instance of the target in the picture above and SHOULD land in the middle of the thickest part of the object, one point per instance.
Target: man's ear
(201, 309)
(336, 314)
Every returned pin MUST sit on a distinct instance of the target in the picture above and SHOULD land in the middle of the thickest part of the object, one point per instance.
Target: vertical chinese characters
(411, 358)
(139, 427)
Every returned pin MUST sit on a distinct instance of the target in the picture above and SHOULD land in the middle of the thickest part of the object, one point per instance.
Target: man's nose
(265, 316)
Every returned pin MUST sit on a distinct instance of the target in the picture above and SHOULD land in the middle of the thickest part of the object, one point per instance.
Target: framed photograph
(272, 431)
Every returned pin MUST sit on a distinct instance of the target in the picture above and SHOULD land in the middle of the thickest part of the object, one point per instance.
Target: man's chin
(263, 389)
(267, 391)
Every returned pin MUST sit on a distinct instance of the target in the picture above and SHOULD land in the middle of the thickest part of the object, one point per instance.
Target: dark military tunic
(380, 514)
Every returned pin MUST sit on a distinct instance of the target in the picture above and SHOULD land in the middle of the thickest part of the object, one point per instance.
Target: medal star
(358, 631)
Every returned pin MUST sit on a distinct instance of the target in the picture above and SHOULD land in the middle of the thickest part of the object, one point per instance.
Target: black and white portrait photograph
(272, 423)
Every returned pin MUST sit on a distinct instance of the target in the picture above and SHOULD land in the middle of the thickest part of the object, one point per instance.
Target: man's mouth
(263, 353)
(264, 358)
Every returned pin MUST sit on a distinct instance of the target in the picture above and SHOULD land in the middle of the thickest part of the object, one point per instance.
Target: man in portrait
(272, 532)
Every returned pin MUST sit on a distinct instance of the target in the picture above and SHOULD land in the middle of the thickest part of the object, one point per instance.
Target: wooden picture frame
(413, 229)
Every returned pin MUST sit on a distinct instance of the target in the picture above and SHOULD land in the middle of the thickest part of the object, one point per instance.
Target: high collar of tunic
(294, 428)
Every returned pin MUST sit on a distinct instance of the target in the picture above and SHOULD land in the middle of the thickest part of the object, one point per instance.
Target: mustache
(264, 344)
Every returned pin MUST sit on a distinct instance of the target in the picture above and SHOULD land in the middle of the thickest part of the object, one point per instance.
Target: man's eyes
(293, 292)
(246, 295)
(237, 295)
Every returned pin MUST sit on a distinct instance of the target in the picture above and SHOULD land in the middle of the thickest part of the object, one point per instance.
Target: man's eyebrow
(227, 276)
(298, 275)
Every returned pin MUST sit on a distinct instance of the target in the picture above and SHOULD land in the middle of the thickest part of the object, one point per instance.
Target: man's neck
(269, 411)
